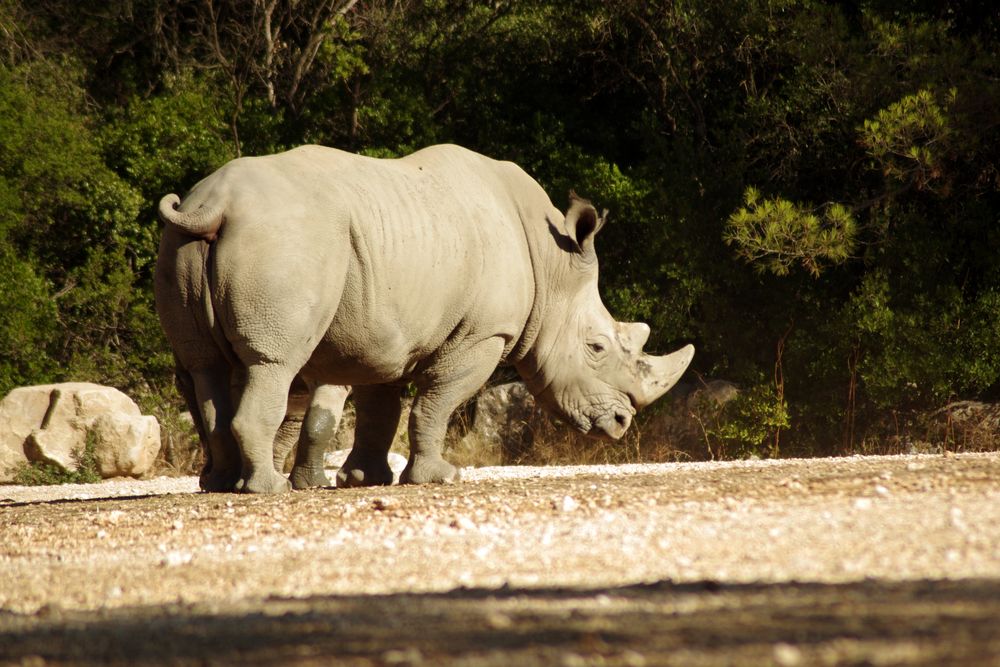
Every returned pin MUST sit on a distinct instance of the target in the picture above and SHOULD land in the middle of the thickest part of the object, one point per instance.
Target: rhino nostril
(621, 419)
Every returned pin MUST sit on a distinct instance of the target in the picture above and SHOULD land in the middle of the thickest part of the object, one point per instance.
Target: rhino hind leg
(213, 414)
(288, 435)
(326, 408)
(260, 414)
(454, 379)
(378, 408)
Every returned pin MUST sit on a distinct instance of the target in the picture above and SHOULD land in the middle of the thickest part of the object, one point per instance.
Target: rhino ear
(582, 222)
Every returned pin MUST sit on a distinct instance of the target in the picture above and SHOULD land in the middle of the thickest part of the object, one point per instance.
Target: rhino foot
(265, 481)
(364, 473)
(428, 470)
(218, 480)
(303, 477)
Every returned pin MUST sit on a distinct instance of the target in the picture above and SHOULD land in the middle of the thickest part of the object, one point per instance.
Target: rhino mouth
(581, 423)
(606, 418)
(604, 422)
(612, 426)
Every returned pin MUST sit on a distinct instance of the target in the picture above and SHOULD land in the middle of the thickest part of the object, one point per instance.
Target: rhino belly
(352, 359)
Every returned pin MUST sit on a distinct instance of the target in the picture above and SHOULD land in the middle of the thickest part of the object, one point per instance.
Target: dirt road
(887, 560)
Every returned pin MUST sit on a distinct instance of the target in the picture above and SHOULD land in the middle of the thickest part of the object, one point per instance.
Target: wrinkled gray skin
(346, 270)
(324, 408)
(313, 434)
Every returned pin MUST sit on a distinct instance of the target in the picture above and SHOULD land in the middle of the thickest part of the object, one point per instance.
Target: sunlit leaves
(777, 234)
(911, 137)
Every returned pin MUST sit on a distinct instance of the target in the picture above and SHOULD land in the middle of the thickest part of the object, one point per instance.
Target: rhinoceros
(430, 269)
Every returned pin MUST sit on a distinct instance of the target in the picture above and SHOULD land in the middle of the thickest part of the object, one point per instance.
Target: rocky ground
(875, 561)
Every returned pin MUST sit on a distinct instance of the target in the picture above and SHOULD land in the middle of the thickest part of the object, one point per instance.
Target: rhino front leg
(454, 380)
(261, 410)
(377, 408)
(326, 408)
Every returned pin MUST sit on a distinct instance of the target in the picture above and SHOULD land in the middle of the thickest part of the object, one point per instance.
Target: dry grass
(656, 436)
(543, 440)
(180, 450)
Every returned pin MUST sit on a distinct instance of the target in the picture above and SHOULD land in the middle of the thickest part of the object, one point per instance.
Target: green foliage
(117, 336)
(44, 473)
(749, 426)
(68, 198)
(779, 234)
(932, 345)
(178, 136)
(909, 137)
(27, 322)
(75, 253)
(802, 189)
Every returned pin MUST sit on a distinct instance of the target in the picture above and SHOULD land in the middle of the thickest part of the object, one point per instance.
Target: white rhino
(340, 269)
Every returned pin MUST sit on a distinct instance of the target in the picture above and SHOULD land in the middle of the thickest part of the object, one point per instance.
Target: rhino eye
(597, 348)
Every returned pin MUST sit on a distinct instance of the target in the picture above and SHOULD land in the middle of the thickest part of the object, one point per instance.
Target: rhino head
(584, 366)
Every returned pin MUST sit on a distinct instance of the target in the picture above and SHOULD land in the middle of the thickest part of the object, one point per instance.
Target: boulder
(965, 425)
(689, 410)
(500, 422)
(54, 422)
(712, 394)
(970, 415)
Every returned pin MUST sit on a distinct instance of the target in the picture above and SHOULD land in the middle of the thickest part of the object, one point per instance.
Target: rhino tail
(203, 222)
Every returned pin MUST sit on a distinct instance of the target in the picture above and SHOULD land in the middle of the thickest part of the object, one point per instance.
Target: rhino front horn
(660, 374)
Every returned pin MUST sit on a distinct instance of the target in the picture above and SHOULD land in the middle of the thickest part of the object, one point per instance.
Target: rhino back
(366, 268)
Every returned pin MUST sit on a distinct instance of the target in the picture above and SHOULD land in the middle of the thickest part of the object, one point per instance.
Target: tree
(806, 190)
(280, 48)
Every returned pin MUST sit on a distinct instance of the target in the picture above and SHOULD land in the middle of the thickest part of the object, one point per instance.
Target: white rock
(569, 504)
(53, 422)
(863, 504)
(176, 558)
(787, 655)
(334, 460)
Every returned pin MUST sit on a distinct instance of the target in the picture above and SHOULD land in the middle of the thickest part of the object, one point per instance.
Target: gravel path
(863, 560)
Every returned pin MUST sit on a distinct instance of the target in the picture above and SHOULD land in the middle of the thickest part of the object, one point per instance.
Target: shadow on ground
(704, 623)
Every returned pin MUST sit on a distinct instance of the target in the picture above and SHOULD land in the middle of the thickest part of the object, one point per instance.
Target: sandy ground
(864, 560)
